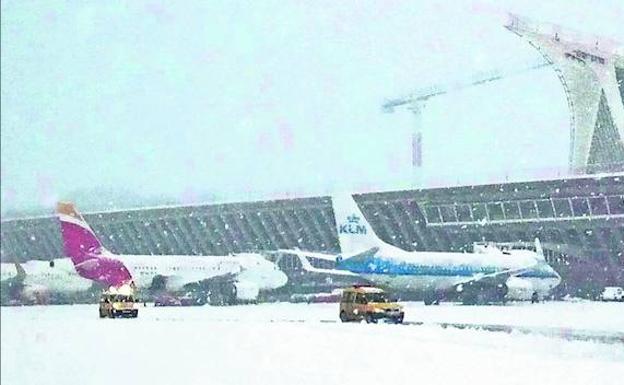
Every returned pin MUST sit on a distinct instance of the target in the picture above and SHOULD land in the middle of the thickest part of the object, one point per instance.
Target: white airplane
(35, 280)
(474, 277)
(237, 277)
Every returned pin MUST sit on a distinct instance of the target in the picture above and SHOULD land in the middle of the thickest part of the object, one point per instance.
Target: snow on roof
(366, 289)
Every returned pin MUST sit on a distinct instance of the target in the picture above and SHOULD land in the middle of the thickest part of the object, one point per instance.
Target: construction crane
(422, 95)
(416, 101)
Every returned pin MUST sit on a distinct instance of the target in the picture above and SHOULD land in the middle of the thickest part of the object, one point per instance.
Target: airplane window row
(146, 267)
(452, 270)
(197, 268)
(143, 269)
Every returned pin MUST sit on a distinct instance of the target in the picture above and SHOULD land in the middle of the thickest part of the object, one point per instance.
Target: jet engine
(519, 289)
(35, 294)
(246, 291)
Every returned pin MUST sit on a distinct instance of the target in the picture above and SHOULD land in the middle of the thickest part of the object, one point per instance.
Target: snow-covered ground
(290, 344)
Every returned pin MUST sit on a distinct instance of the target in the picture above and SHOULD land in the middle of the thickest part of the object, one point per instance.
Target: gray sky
(251, 100)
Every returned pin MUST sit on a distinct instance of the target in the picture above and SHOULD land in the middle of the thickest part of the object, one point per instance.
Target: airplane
(34, 281)
(472, 277)
(232, 278)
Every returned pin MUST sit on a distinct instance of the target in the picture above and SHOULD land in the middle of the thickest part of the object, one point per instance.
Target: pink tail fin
(79, 241)
(90, 258)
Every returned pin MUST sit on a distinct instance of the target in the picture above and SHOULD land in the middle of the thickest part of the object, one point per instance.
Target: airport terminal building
(580, 222)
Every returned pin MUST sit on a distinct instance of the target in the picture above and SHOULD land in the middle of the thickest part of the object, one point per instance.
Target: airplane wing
(301, 253)
(178, 281)
(359, 255)
(307, 266)
(328, 257)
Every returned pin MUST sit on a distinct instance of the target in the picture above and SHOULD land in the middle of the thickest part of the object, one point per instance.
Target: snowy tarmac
(303, 344)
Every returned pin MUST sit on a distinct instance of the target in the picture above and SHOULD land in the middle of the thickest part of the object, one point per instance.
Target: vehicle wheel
(228, 291)
(369, 319)
(469, 298)
(343, 316)
(102, 315)
(429, 298)
(135, 314)
(398, 320)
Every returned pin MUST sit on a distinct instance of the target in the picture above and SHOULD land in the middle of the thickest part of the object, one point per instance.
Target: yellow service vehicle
(115, 304)
(370, 304)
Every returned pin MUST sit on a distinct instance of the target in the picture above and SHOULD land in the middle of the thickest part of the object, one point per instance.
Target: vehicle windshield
(124, 298)
(377, 297)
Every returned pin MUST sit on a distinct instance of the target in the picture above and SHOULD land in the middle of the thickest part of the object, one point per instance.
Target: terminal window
(478, 212)
(463, 213)
(511, 210)
(448, 213)
(496, 211)
(580, 206)
(598, 205)
(562, 207)
(433, 216)
(545, 208)
(616, 204)
(528, 209)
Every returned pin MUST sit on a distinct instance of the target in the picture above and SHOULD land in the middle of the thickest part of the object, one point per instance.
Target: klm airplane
(473, 277)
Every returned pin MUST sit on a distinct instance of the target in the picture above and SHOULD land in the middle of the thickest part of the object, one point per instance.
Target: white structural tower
(591, 71)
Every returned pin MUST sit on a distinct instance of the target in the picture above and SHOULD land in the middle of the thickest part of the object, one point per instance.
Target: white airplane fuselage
(180, 270)
(438, 271)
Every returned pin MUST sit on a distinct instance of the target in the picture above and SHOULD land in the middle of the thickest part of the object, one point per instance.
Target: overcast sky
(252, 100)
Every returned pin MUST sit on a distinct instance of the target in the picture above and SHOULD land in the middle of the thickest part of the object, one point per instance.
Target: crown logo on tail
(353, 218)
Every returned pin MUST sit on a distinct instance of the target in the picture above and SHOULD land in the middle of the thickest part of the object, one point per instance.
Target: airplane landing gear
(222, 294)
